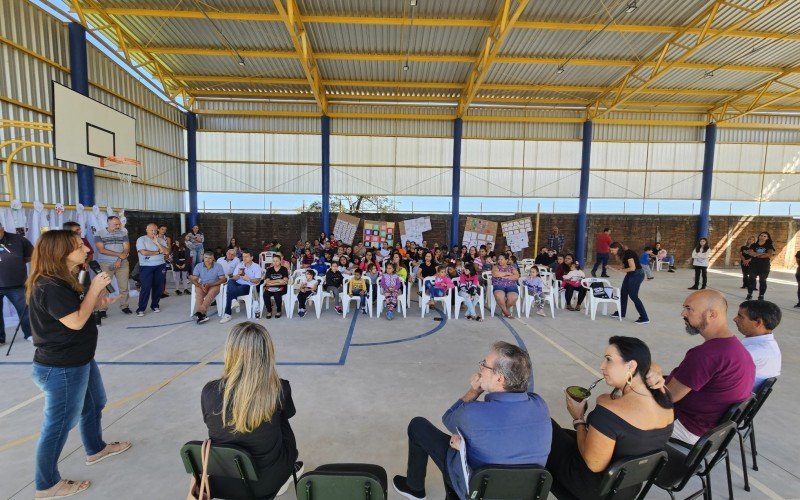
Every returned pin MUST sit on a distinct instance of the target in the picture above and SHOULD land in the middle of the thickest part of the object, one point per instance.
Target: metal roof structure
(723, 58)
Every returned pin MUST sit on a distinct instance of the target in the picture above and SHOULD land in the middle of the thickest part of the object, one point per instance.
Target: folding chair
(445, 299)
(510, 482)
(231, 469)
(686, 461)
(460, 301)
(343, 482)
(746, 427)
(632, 472)
(347, 298)
(737, 414)
(401, 299)
(591, 306)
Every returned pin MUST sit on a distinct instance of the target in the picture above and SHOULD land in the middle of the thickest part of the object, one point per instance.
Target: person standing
(634, 276)
(15, 252)
(166, 241)
(113, 249)
(760, 252)
(744, 251)
(602, 251)
(152, 251)
(700, 261)
(555, 240)
(65, 336)
(194, 242)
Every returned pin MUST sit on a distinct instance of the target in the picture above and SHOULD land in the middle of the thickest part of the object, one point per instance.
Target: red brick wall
(636, 231)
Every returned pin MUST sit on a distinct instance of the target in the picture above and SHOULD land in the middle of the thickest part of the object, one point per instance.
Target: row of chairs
(233, 474)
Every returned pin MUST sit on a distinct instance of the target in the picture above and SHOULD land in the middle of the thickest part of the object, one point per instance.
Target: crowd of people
(646, 405)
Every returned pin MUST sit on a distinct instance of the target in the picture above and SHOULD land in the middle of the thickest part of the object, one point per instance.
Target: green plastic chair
(510, 482)
(343, 482)
(231, 469)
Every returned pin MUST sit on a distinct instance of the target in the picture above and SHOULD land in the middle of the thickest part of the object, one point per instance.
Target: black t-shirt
(57, 345)
(630, 254)
(333, 279)
(760, 249)
(744, 251)
(272, 444)
(427, 270)
(280, 274)
(14, 251)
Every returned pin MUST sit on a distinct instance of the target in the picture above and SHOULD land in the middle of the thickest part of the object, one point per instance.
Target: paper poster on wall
(345, 228)
(516, 233)
(411, 230)
(479, 232)
(376, 233)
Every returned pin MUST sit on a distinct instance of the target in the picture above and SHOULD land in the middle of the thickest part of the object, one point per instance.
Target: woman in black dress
(250, 407)
(760, 252)
(632, 420)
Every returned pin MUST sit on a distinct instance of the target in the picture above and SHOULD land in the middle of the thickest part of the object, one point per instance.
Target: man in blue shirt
(510, 426)
(207, 277)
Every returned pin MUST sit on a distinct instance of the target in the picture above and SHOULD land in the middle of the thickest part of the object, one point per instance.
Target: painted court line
(134, 349)
(408, 339)
(757, 484)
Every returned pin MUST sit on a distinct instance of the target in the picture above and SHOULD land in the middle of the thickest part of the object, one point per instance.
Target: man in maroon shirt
(602, 247)
(712, 376)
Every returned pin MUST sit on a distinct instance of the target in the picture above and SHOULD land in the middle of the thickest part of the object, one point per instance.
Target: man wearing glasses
(523, 438)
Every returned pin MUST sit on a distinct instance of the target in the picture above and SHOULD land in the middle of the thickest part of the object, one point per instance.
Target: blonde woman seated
(250, 407)
(632, 420)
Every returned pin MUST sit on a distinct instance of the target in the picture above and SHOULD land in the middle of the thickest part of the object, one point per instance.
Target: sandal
(110, 450)
(268, 316)
(509, 316)
(277, 315)
(62, 489)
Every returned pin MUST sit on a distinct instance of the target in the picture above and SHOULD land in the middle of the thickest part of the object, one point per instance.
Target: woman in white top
(700, 262)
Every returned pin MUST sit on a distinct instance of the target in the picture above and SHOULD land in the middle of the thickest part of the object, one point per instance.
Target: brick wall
(677, 233)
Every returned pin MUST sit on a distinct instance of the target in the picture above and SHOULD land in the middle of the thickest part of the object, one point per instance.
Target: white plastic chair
(288, 303)
(347, 298)
(517, 305)
(265, 259)
(659, 263)
(487, 278)
(252, 300)
(318, 297)
(446, 299)
(460, 301)
(401, 299)
(591, 306)
(219, 299)
(525, 265)
(290, 299)
(549, 287)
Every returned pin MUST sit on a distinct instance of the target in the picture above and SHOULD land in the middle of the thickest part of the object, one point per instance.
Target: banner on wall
(516, 233)
(345, 228)
(376, 233)
(411, 230)
(479, 232)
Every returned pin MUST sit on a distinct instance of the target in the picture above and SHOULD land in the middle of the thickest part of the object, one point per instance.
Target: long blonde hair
(49, 260)
(251, 385)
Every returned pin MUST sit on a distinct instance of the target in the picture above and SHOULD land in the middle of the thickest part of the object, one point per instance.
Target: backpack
(599, 290)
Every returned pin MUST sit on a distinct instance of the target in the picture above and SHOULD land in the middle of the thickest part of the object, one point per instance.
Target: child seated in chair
(357, 287)
(535, 289)
(468, 290)
(304, 290)
(441, 284)
(572, 282)
(391, 285)
(333, 284)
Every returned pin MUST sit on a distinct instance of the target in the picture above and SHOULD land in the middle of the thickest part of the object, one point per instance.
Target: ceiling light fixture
(631, 7)
(560, 70)
(709, 74)
(241, 62)
(413, 3)
(405, 67)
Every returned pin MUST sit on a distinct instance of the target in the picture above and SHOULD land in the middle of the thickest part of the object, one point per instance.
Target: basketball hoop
(120, 160)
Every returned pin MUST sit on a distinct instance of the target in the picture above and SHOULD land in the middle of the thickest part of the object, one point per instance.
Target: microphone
(96, 268)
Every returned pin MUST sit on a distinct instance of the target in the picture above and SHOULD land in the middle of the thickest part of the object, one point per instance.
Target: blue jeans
(234, 291)
(630, 288)
(197, 255)
(152, 280)
(602, 258)
(71, 396)
(471, 301)
(437, 292)
(358, 293)
(17, 298)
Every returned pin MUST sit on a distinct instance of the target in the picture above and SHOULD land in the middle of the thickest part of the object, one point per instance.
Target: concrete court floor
(354, 400)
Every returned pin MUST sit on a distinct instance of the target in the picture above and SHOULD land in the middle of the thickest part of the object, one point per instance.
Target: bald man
(712, 376)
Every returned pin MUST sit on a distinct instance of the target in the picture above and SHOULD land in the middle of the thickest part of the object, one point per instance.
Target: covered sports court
(665, 120)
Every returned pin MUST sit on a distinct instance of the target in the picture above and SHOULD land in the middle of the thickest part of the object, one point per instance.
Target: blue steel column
(326, 174)
(191, 163)
(456, 189)
(708, 172)
(80, 83)
(586, 157)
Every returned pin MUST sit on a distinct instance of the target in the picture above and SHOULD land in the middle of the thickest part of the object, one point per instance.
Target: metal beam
(437, 22)
(502, 26)
(683, 44)
(756, 98)
(455, 58)
(291, 17)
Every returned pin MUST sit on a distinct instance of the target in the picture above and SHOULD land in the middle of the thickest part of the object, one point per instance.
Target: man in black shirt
(15, 252)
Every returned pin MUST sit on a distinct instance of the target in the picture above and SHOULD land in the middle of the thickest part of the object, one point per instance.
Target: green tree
(353, 204)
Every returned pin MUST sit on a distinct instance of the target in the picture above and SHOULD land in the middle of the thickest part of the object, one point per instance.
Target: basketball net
(120, 160)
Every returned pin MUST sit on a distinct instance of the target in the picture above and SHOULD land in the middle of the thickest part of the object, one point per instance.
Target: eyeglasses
(483, 364)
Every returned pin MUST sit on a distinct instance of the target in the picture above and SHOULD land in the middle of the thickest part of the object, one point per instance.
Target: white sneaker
(156, 310)
(225, 318)
(30, 339)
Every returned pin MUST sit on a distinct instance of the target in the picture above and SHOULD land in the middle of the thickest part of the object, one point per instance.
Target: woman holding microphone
(65, 336)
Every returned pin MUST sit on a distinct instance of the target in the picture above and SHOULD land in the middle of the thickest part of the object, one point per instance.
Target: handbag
(203, 490)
